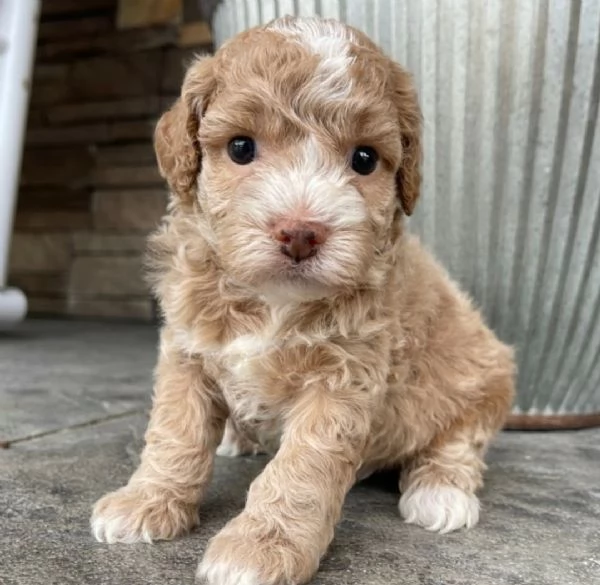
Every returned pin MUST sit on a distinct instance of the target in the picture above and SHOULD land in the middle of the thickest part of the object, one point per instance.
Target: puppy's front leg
(294, 505)
(161, 499)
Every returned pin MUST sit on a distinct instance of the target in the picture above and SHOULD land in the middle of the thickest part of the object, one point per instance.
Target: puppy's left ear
(408, 177)
(176, 136)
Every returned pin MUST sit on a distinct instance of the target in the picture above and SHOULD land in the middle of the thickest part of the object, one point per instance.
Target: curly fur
(364, 357)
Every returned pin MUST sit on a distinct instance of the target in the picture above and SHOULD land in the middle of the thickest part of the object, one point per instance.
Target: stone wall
(90, 191)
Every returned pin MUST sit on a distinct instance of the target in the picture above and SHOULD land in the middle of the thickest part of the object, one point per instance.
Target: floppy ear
(176, 135)
(408, 177)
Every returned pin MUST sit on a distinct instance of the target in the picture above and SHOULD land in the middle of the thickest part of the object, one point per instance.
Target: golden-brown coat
(362, 357)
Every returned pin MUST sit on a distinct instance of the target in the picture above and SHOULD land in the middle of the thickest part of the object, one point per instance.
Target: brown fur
(378, 360)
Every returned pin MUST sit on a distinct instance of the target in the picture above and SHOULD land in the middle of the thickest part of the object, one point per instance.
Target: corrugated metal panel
(511, 195)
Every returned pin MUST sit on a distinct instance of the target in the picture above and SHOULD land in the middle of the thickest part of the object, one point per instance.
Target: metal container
(511, 194)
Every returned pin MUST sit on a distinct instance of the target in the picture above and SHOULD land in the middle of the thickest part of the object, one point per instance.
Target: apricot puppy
(298, 309)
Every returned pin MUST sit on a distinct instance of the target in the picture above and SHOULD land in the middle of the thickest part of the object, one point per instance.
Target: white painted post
(18, 33)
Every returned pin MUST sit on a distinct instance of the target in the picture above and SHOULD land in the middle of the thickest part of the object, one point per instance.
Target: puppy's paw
(234, 444)
(226, 574)
(132, 514)
(248, 552)
(236, 448)
(439, 508)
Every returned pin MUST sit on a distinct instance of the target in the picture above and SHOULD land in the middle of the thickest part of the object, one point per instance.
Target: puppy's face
(298, 143)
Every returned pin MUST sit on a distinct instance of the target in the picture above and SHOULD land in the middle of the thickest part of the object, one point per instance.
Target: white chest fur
(253, 407)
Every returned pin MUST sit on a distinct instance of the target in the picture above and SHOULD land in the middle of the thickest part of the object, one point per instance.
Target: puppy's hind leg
(438, 484)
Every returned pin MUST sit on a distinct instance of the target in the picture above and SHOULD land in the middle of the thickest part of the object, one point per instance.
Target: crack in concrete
(7, 443)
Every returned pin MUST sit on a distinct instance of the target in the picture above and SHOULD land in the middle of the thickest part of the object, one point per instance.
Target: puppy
(296, 307)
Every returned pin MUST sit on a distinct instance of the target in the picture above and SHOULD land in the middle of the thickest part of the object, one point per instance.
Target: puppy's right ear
(176, 136)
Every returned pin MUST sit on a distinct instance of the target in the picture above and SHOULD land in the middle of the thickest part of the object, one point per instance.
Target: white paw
(229, 449)
(233, 445)
(117, 528)
(439, 508)
(225, 574)
(134, 515)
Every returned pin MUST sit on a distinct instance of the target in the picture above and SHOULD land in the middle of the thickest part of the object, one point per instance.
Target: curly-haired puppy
(299, 315)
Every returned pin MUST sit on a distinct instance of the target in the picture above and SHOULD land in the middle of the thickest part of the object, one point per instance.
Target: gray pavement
(73, 404)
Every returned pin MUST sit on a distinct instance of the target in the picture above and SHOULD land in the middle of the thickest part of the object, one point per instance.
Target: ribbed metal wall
(511, 197)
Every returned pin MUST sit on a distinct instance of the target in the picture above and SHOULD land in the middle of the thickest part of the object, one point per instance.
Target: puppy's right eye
(241, 150)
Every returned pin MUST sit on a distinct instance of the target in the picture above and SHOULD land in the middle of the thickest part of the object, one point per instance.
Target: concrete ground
(73, 403)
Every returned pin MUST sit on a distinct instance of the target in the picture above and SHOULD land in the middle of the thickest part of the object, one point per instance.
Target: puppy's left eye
(241, 150)
(364, 160)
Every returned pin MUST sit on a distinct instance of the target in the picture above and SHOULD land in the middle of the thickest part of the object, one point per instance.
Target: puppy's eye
(241, 150)
(364, 160)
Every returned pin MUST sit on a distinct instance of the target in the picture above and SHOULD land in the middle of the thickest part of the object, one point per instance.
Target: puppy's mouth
(296, 279)
(296, 268)
(299, 273)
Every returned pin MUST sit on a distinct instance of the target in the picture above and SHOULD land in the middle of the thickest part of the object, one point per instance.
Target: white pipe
(18, 33)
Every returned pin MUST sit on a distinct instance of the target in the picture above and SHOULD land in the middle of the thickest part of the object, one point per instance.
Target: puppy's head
(297, 145)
